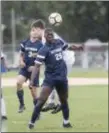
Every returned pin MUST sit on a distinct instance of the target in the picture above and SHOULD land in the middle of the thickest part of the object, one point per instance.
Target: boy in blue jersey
(55, 76)
(53, 102)
(28, 52)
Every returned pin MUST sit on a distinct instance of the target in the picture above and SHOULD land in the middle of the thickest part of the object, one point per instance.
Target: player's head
(49, 35)
(37, 28)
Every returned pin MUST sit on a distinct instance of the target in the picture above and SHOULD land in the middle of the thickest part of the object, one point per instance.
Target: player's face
(36, 32)
(49, 36)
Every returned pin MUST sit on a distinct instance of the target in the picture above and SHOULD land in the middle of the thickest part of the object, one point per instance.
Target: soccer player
(53, 102)
(3, 70)
(55, 76)
(28, 52)
(69, 58)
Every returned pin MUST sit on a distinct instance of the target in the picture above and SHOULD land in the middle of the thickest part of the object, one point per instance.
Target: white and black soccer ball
(55, 19)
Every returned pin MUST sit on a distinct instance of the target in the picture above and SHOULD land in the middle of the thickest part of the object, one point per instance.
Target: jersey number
(30, 54)
(58, 56)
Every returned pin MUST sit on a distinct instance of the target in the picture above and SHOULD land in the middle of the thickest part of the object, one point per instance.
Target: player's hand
(22, 64)
(31, 84)
(76, 47)
(30, 68)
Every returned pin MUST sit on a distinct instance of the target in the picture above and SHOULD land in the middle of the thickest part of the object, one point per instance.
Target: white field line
(72, 81)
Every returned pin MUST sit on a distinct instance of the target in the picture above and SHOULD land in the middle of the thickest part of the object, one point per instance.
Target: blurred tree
(81, 20)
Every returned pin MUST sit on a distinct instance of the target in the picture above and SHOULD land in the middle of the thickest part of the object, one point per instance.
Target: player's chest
(56, 53)
(55, 49)
(32, 48)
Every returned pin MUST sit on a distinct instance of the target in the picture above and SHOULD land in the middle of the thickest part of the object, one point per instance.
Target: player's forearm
(75, 47)
(35, 71)
(21, 57)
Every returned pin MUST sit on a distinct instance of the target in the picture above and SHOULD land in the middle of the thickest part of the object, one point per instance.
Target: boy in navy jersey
(55, 76)
(28, 52)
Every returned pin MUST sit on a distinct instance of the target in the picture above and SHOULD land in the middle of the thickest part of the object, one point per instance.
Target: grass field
(75, 73)
(88, 111)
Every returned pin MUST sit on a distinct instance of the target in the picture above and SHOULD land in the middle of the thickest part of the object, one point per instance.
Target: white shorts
(69, 58)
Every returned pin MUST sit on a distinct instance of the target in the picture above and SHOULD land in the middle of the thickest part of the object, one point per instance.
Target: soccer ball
(55, 19)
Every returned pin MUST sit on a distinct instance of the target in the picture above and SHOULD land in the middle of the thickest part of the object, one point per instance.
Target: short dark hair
(47, 30)
(38, 23)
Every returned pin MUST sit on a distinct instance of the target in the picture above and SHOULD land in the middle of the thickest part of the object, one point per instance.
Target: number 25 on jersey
(58, 56)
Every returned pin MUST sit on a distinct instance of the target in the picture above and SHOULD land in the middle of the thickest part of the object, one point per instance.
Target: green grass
(95, 73)
(88, 111)
(75, 73)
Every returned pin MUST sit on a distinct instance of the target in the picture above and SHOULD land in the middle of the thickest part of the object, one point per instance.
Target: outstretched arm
(76, 47)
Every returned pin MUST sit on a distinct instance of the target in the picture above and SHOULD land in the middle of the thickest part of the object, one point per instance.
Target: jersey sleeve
(41, 56)
(64, 44)
(22, 46)
(62, 41)
(41, 45)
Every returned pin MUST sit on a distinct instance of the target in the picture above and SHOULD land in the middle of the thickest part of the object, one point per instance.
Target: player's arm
(21, 58)
(65, 46)
(62, 41)
(35, 71)
(76, 47)
(38, 62)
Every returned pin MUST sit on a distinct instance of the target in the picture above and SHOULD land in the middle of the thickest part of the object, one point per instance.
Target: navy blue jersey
(30, 50)
(51, 55)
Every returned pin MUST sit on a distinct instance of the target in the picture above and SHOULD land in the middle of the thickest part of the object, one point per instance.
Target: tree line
(81, 20)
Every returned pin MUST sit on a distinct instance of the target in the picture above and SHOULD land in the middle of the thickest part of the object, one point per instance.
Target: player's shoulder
(39, 42)
(24, 42)
(58, 41)
(44, 48)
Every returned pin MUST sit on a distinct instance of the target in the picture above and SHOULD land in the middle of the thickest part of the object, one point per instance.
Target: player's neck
(32, 39)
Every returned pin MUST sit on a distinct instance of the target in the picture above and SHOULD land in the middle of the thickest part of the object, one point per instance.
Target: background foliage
(81, 20)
